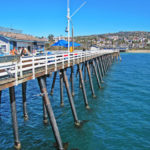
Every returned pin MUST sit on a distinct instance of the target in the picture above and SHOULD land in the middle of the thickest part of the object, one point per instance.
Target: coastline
(138, 51)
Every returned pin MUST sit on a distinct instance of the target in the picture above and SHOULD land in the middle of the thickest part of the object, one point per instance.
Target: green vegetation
(128, 40)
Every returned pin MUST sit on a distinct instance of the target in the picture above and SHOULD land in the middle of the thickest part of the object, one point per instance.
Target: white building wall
(23, 44)
(7, 49)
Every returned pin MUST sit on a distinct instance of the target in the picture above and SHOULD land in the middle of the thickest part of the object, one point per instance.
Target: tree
(51, 37)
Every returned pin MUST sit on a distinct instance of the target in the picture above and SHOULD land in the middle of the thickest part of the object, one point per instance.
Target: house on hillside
(9, 40)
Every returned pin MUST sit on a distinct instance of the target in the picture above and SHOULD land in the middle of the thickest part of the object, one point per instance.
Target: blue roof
(65, 43)
(60, 43)
(74, 43)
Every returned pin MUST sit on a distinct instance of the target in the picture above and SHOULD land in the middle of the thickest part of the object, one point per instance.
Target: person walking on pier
(14, 51)
(24, 52)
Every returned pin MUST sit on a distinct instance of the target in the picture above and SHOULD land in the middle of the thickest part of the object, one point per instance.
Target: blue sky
(44, 17)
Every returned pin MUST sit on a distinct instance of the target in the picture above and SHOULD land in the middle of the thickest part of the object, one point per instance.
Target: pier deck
(28, 68)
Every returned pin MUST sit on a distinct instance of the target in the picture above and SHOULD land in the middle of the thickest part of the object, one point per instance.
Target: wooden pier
(27, 68)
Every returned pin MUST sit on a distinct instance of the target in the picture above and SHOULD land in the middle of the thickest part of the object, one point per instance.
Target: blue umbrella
(75, 44)
(60, 43)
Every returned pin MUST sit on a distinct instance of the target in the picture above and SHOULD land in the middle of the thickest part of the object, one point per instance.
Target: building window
(3, 48)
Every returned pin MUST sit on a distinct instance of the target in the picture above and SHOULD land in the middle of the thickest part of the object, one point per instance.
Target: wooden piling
(80, 85)
(112, 56)
(50, 113)
(92, 70)
(84, 72)
(104, 64)
(77, 72)
(53, 84)
(77, 122)
(0, 96)
(45, 117)
(90, 79)
(107, 62)
(99, 71)
(95, 70)
(91, 67)
(17, 143)
(25, 114)
(83, 87)
(101, 65)
(61, 89)
(110, 60)
(72, 80)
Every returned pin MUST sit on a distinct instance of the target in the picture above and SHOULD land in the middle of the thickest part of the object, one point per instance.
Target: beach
(138, 51)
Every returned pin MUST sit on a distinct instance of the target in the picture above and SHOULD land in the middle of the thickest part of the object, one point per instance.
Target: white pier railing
(30, 64)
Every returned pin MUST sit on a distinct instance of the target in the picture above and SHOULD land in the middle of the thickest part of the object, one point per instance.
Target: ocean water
(119, 118)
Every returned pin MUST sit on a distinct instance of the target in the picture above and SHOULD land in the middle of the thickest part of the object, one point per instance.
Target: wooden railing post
(33, 68)
(16, 73)
(46, 67)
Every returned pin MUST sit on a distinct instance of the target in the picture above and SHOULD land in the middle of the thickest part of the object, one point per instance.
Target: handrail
(31, 63)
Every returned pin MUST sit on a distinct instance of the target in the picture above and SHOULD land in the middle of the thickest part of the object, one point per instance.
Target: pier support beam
(113, 57)
(53, 84)
(72, 81)
(90, 79)
(95, 70)
(61, 89)
(0, 96)
(17, 143)
(101, 65)
(45, 117)
(77, 72)
(84, 72)
(107, 62)
(110, 60)
(77, 122)
(50, 113)
(104, 64)
(91, 68)
(24, 87)
(100, 73)
(83, 87)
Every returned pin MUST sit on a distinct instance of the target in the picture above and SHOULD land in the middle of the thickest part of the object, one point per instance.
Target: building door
(29, 49)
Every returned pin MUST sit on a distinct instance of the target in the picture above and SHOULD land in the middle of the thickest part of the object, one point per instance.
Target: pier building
(10, 38)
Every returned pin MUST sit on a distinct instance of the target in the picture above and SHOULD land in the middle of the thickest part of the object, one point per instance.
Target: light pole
(72, 36)
(69, 18)
(72, 33)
